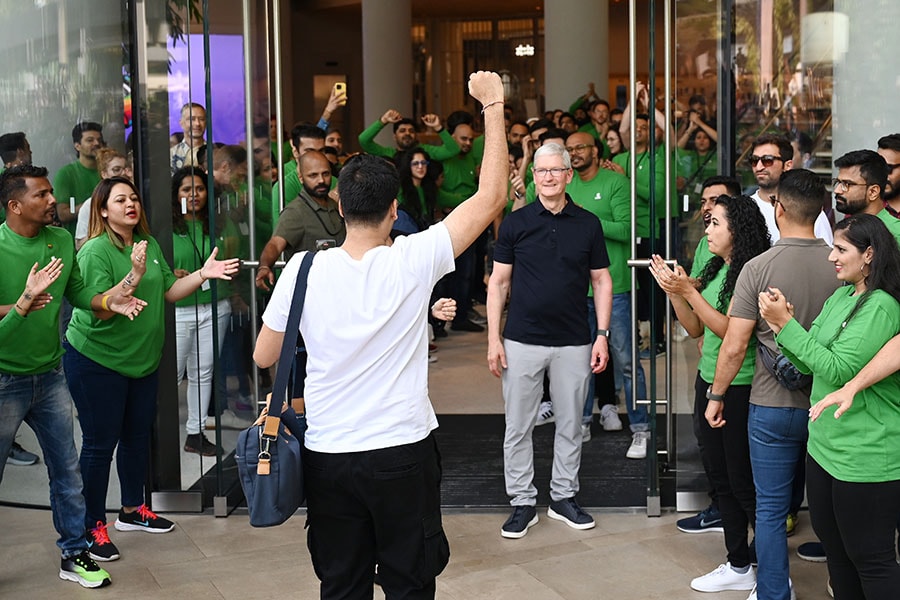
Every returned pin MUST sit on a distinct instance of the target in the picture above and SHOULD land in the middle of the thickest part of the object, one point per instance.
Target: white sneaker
(638, 448)
(229, 421)
(752, 595)
(609, 418)
(545, 413)
(585, 432)
(725, 578)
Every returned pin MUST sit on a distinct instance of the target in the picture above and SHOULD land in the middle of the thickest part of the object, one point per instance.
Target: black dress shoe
(466, 326)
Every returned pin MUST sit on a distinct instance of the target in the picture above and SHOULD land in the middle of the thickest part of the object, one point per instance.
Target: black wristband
(715, 397)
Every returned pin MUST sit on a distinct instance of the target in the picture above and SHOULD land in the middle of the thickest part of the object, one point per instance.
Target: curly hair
(750, 238)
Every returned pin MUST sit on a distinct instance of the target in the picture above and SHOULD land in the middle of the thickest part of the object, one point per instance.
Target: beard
(320, 191)
(848, 207)
(893, 193)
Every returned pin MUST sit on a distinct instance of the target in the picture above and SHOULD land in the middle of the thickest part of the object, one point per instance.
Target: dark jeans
(856, 524)
(461, 284)
(116, 413)
(697, 420)
(727, 461)
(377, 507)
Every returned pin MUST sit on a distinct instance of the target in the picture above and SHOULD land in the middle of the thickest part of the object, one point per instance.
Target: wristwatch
(602, 332)
(715, 397)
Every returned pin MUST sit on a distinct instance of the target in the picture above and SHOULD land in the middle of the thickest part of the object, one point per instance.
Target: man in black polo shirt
(545, 254)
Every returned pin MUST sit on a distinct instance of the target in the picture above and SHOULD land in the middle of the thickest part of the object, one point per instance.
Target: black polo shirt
(552, 257)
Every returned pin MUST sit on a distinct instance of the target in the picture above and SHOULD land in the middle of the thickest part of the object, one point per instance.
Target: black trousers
(376, 507)
(856, 524)
(727, 460)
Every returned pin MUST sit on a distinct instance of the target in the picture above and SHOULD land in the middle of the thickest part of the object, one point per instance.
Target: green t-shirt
(589, 128)
(893, 223)
(37, 348)
(701, 256)
(642, 187)
(131, 348)
(477, 150)
(863, 445)
(367, 142)
(190, 251)
(606, 196)
(459, 176)
(712, 343)
(74, 180)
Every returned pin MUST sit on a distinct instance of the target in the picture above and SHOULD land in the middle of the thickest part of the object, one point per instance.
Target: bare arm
(473, 216)
(498, 292)
(601, 283)
(265, 278)
(211, 269)
(731, 357)
(268, 347)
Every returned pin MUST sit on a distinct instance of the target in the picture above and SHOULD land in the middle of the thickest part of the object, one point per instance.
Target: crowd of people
(788, 305)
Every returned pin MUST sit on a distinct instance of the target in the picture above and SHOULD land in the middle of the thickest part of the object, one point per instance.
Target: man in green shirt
(859, 186)
(606, 195)
(75, 182)
(34, 386)
(598, 111)
(406, 137)
(304, 138)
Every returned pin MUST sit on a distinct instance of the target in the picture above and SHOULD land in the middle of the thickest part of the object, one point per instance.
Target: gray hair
(553, 149)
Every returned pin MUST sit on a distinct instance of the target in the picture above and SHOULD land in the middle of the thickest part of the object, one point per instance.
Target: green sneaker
(791, 525)
(82, 569)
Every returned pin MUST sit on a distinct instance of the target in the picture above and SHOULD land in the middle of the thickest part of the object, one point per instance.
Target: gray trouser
(569, 370)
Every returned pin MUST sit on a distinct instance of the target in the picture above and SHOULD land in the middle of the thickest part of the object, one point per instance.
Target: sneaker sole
(611, 428)
(69, 576)
(540, 422)
(713, 529)
(20, 463)
(100, 558)
(635, 456)
(582, 526)
(737, 587)
(120, 526)
(815, 559)
(515, 535)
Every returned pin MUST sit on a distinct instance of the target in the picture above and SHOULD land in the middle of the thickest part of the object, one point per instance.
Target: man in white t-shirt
(372, 470)
(771, 156)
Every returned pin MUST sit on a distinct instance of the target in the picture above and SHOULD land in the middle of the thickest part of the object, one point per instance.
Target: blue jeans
(777, 441)
(43, 401)
(116, 413)
(620, 333)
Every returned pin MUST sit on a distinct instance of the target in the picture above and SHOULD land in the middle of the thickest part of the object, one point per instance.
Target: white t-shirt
(822, 228)
(84, 219)
(364, 327)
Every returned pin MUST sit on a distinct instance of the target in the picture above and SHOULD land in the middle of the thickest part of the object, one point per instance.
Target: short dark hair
(566, 114)
(616, 111)
(83, 126)
(261, 130)
(10, 144)
(12, 181)
(404, 121)
(804, 142)
(540, 124)
(784, 145)
(553, 132)
(872, 166)
(368, 186)
(522, 123)
(305, 130)
(697, 99)
(593, 105)
(457, 118)
(732, 184)
(801, 191)
(516, 152)
(890, 142)
(642, 117)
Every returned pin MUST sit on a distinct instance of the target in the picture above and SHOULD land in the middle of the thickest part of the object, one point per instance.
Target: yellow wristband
(103, 302)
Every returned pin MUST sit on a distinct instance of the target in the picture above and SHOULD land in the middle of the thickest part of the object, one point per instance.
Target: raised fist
(432, 121)
(391, 116)
(486, 87)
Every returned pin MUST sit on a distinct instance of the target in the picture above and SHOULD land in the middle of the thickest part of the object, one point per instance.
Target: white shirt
(822, 227)
(84, 219)
(364, 325)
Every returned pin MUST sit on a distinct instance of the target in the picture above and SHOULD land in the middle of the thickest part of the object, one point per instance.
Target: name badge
(205, 286)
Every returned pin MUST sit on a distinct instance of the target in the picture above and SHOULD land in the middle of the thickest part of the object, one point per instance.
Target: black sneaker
(196, 443)
(519, 521)
(568, 511)
(143, 519)
(99, 545)
(467, 325)
(812, 551)
(751, 552)
(82, 569)
(707, 520)
(21, 457)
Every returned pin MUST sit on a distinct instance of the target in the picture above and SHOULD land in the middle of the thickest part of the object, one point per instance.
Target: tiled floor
(626, 557)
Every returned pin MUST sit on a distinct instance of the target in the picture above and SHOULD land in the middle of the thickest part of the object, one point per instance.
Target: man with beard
(310, 222)
(889, 149)
(75, 182)
(193, 124)
(862, 175)
(771, 156)
(304, 137)
(405, 137)
(605, 194)
(598, 110)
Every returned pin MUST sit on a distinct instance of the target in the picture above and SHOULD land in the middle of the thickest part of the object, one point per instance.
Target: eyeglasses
(892, 167)
(767, 160)
(845, 184)
(773, 200)
(555, 171)
(579, 148)
(419, 163)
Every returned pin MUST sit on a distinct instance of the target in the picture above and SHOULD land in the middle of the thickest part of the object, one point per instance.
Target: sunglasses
(419, 163)
(767, 160)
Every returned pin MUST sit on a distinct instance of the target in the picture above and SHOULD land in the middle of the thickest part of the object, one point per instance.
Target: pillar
(387, 60)
(576, 42)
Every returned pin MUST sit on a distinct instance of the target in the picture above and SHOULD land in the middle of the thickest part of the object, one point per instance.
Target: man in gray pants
(545, 254)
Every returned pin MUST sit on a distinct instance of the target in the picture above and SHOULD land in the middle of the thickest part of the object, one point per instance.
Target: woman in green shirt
(736, 233)
(111, 365)
(853, 465)
(194, 315)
